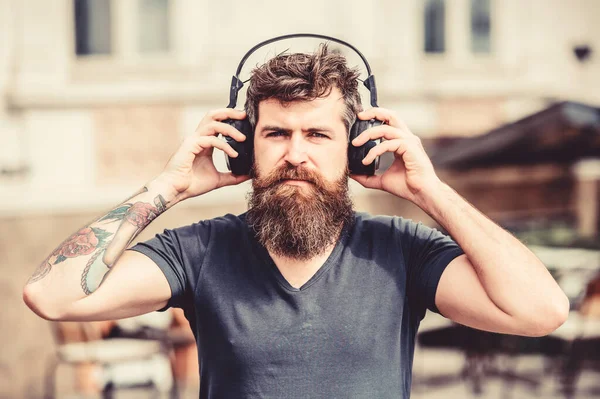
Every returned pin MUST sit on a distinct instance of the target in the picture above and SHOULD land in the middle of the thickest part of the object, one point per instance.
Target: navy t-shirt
(348, 332)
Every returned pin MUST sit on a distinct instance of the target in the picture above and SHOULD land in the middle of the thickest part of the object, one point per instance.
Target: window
(153, 27)
(123, 29)
(435, 26)
(480, 26)
(92, 27)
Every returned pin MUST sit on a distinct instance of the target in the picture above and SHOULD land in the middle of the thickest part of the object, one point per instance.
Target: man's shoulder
(397, 227)
(229, 220)
(387, 227)
(228, 223)
(225, 220)
(364, 220)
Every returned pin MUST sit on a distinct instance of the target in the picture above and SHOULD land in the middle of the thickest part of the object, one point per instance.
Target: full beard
(298, 222)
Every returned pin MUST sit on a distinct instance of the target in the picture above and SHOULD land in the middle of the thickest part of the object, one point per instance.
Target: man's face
(308, 135)
(300, 201)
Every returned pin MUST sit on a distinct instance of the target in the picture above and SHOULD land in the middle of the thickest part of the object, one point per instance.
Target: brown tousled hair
(304, 77)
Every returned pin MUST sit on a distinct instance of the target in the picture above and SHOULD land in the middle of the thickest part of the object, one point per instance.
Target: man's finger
(383, 131)
(204, 142)
(215, 128)
(382, 114)
(229, 179)
(367, 181)
(226, 113)
(380, 149)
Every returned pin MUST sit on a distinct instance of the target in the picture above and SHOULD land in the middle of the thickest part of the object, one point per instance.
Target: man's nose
(296, 151)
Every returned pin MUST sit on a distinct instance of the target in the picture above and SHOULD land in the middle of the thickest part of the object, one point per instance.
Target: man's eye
(319, 135)
(276, 134)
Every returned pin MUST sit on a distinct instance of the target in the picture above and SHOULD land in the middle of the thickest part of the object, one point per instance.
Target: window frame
(126, 58)
(457, 55)
(491, 32)
(424, 32)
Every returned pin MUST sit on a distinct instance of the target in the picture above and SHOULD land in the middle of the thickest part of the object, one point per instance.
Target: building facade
(96, 104)
(95, 95)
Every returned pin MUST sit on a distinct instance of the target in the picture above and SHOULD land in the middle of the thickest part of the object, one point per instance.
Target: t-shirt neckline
(268, 261)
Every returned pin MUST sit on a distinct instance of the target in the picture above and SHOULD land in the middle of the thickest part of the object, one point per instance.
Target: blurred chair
(580, 335)
(439, 342)
(566, 349)
(468, 356)
(121, 362)
(185, 363)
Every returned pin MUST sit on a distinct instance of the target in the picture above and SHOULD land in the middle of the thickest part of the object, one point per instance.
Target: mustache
(289, 172)
(294, 223)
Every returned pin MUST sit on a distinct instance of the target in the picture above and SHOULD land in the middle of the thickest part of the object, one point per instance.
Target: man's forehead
(321, 111)
(332, 100)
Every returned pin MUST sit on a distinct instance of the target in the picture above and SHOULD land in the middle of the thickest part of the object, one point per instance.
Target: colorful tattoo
(94, 273)
(142, 213)
(42, 270)
(100, 243)
(137, 215)
(83, 242)
(140, 191)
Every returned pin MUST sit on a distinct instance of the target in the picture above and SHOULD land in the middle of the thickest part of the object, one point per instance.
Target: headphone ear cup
(357, 154)
(242, 164)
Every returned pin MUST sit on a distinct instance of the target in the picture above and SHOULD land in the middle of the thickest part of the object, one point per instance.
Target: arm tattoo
(134, 217)
(83, 242)
(96, 241)
(140, 191)
(94, 273)
(141, 214)
(42, 270)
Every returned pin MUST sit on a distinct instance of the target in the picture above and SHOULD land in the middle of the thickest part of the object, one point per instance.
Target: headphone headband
(237, 84)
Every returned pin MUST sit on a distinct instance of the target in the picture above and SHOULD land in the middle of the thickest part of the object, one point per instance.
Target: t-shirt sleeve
(179, 253)
(427, 252)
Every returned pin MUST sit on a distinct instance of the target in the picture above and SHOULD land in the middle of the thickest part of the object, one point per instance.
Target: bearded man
(302, 297)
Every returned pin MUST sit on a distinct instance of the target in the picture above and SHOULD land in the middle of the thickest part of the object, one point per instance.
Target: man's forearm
(78, 266)
(512, 276)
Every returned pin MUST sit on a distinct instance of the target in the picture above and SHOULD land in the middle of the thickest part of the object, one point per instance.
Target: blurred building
(96, 94)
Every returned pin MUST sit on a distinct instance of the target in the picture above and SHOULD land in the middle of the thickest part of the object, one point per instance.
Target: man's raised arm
(77, 267)
(74, 283)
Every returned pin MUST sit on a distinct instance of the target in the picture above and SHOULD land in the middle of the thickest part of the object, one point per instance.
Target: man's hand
(190, 171)
(412, 172)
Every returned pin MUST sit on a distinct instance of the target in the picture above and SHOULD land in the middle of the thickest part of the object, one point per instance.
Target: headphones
(242, 164)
